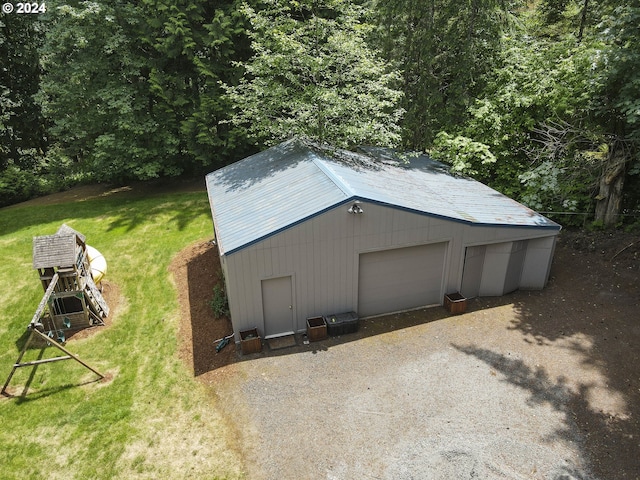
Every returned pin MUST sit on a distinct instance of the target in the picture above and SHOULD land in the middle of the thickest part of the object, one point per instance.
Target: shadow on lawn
(127, 207)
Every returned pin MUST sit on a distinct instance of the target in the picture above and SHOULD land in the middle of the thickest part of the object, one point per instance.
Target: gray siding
(472, 272)
(514, 269)
(537, 263)
(322, 254)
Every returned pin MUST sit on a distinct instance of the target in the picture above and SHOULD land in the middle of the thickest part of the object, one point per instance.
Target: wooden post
(17, 364)
(73, 356)
(43, 302)
(34, 363)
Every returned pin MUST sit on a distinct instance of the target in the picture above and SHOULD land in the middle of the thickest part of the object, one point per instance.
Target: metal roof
(280, 187)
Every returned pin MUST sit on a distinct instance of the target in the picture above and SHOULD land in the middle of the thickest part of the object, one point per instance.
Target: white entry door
(277, 306)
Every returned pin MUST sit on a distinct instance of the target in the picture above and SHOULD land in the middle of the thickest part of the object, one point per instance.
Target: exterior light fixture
(355, 208)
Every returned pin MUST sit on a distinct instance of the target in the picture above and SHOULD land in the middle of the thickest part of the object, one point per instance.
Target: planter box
(316, 329)
(250, 341)
(455, 303)
(342, 323)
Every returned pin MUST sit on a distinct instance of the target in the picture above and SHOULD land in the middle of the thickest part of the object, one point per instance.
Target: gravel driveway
(533, 385)
(450, 399)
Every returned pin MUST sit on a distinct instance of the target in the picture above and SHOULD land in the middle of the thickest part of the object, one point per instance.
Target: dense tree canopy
(23, 137)
(538, 99)
(445, 48)
(314, 75)
(132, 89)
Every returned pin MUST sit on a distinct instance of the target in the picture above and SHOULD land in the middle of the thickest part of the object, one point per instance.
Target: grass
(152, 420)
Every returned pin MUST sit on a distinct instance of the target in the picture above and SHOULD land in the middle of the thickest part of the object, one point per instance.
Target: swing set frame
(36, 330)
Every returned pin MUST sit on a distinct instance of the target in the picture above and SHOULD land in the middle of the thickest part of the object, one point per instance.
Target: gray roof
(66, 230)
(280, 187)
(54, 251)
(57, 250)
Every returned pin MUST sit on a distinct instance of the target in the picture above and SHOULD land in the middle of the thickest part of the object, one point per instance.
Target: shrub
(219, 303)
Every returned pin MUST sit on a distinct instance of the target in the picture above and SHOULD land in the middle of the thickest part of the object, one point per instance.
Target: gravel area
(532, 385)
(429, 401)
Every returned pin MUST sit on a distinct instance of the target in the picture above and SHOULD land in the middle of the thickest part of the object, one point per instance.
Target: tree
(312, 74)
(535, 116)
(23, 141)
(560, 114)
(132, 89)
(194, 45)
(618, 106)
(95, 93)
(445, 49)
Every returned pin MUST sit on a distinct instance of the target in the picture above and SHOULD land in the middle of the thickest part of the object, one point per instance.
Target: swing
(61, 337)
(67, 322)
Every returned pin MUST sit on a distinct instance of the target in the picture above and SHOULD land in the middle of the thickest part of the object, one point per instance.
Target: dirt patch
(529, 385)
(113, 296)
(196, 270)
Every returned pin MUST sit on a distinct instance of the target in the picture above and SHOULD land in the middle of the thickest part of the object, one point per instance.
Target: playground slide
(97, 263)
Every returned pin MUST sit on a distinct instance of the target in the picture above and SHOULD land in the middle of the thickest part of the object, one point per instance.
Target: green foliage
(553, 10)
(95, 95)
(219, 303)
(132, 90)
(621, 69)
(596, 225)
(16, 185)
(117, 90)
(463, 154)
(193, 46)
(535, 116)
(445, 49)
(313, 75)
(22, 139)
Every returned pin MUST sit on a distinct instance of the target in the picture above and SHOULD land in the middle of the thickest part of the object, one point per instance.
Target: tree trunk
(583, 19)
(609, 198)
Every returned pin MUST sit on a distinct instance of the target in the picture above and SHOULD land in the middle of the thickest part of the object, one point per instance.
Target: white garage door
(400, 279)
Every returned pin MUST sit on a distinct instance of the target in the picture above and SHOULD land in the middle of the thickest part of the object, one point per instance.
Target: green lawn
(152, 420)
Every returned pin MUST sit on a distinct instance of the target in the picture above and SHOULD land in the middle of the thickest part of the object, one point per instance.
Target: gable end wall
(322, 256)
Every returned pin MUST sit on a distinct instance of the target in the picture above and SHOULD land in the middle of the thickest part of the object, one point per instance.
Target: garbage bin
(342, 323)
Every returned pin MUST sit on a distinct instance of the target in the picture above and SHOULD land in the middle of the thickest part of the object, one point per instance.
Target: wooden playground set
(70, 272)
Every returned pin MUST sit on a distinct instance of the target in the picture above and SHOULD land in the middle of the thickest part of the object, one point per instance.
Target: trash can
(342, 323)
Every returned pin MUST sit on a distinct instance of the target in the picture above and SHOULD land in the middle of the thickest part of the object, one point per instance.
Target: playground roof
(57, 250)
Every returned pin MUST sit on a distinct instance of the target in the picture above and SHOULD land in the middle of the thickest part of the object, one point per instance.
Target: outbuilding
(304, 231)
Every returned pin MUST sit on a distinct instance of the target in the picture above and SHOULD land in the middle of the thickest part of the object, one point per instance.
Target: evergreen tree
(313, 74)
(23, 141)
(132, 89)
(445, 49)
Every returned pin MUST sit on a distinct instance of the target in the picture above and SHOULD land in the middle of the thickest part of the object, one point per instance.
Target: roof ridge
(330, 174)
